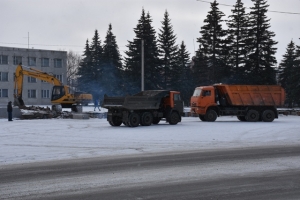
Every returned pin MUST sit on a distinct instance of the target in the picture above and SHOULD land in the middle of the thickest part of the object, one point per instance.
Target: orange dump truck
(248, 102)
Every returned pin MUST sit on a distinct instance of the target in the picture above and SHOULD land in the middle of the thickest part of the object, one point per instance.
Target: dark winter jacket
(9, 107)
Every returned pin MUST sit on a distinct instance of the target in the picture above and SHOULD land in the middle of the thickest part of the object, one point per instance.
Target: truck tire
(116, 121)
(202, 118)
(252, 116)
(268, 116)
(134, 119)
(174, 118)
(156, 120)
(146, 119)
(210, 115)
(111, 123)
(241, 118)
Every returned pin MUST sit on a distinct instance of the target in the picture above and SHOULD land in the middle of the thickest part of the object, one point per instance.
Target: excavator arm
(19, 76)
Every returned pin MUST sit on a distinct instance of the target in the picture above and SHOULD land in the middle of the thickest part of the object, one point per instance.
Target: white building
(35, 91)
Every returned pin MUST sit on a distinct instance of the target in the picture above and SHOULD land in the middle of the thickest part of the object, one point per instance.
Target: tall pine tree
(288, 74)
(200, 74)
(261, 58)
(183, 74)
(297, 96)
(237, 36)
(97, 66)
(168, 51)
(213, 44)
(144, 31)
(111, 81)
(85, 71)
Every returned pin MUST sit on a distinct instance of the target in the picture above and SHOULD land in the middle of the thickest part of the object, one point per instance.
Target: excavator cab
(57, 92)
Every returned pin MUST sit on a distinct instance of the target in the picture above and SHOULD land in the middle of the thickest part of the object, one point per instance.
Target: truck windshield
(197, 92)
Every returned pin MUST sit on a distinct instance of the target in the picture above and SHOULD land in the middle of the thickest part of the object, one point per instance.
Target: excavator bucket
(18, 101)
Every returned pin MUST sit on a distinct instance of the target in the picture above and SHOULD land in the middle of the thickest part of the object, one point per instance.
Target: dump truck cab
(203, 98)
(174, 101)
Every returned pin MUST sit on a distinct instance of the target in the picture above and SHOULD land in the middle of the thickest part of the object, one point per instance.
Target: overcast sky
(67, 24)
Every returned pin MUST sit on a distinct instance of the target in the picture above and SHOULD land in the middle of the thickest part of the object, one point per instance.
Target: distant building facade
(35, 91)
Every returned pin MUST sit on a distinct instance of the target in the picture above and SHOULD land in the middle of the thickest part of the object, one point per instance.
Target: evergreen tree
(261, 46)
(182, 72)
(144, 31)
(168, 51)
(112, 66)
(287, 76)
(200, 69)
(237, 35)
(297, 76)
(85, 71)
(97, 66)
(213, 43)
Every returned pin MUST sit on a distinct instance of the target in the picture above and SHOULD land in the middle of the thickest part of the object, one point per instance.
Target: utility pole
(142, 71)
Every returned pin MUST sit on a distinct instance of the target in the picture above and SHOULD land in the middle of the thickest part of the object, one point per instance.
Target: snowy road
(23, 141)
(77, 159)
(252, 173)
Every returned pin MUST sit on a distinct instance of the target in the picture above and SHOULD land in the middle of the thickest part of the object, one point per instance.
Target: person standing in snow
(96, 104)
(9, 111)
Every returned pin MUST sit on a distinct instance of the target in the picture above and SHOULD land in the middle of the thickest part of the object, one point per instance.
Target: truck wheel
(116, 121)
(146, 119)
(210, 116)
(174, 118)
(252, 116)
(156, 120)
(268, 116)
(202, 118)
(134, 119)
(241, 118)
(111, 123)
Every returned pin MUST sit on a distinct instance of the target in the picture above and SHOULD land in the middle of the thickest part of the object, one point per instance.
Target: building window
(3, 92)
(3, 60)
(59, 77)
(17, 60)
(45, 62)
(3, 76)
(32, 61)
(58, 62)
(45, 94)
(31, 93)
(31, 80)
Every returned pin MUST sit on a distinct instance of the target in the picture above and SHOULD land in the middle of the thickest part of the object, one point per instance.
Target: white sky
(66, 24)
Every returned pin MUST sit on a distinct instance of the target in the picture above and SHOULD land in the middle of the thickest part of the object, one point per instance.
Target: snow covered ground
(23, 141)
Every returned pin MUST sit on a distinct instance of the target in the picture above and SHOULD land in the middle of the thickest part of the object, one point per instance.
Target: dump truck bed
(150, 99)
(252, 95)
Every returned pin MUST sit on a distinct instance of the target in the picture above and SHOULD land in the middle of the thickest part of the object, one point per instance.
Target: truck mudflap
(109, 116)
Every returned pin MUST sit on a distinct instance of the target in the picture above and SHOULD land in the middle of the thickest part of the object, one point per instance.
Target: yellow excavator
(61, 94)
